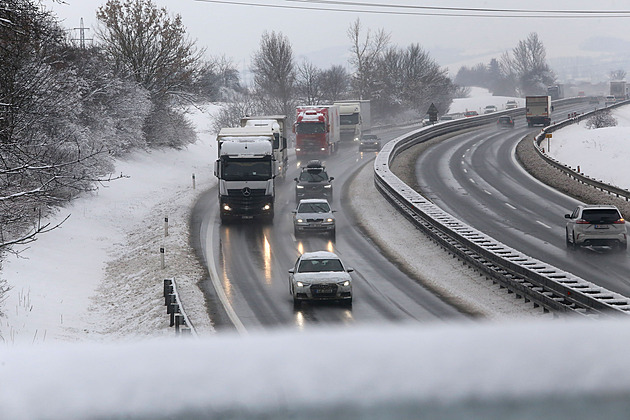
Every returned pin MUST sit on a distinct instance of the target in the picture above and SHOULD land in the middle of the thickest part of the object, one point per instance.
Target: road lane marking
(542, 224)
(510, 206)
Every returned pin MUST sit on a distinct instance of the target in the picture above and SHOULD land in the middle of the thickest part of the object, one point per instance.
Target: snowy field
(82, 338)
(603, 154)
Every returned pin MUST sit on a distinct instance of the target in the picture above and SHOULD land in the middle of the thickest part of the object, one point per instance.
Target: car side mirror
(291, 271)
(331, 178)
(567, 216)
(293, 211)
(333, 211)
(295, 179)
(350, 269)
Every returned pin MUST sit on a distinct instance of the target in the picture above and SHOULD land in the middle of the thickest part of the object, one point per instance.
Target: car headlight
(327, 186)
(299, 187)
(330, 220)
(299, 220)
(301, 284)
(344, 283)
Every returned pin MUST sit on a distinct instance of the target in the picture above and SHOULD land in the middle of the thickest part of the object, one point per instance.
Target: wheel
(570, 244)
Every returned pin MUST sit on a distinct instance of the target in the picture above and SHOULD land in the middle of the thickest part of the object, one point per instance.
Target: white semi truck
(355, 116)
(278, 125)
(246, 169)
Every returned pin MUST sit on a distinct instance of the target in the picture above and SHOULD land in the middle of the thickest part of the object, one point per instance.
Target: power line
(435, 10)
(459, 9)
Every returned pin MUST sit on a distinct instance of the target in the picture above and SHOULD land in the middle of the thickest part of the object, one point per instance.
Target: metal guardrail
(174, 308)
(534, 280)
(575, 173)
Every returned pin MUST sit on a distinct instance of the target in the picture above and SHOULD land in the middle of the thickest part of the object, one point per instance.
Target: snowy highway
(473, 175)
(249, 262)
(476, 178)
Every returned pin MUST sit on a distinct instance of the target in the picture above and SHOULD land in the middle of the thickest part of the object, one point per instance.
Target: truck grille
(250, 198)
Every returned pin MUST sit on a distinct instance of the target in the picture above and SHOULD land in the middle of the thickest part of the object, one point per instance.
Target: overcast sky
(232, 28)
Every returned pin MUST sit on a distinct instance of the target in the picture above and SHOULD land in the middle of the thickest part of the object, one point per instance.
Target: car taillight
(619, 222)
(582, 222)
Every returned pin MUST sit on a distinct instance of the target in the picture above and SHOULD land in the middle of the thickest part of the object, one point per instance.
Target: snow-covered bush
(601, 119)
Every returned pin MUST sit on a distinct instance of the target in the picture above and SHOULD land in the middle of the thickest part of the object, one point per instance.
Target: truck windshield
(246, 169)
(352, 119)
(310, 128)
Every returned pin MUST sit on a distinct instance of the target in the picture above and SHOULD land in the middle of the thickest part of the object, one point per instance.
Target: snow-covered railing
(534, 280)
(575, 173)
(175, 310)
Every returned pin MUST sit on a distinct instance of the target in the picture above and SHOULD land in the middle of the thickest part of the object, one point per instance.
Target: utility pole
(81, 38)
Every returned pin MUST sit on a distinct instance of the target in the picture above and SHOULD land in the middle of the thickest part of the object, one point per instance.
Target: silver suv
(596, 225)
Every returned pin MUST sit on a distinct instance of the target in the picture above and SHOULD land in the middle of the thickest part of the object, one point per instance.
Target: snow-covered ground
(602, 153)
(85, 333)
(478, 99)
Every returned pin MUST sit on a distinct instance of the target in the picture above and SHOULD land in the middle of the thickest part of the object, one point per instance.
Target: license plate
(318, 291)
(601, 226)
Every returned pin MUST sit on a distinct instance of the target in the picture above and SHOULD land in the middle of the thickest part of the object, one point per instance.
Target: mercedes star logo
(247, 192)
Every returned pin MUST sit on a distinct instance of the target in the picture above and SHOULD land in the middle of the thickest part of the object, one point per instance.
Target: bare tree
(335, 83)
(308, 83)
(46, 155)
(218, 79)
(529, 64)
(274, 72)
(147, 44)
(365, 53)
(617, 75)
(411, 80)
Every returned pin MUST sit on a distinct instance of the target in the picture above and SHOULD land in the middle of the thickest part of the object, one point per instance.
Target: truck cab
(246, 169)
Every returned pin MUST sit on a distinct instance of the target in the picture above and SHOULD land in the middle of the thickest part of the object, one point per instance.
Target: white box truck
(538, 110)
(355, 116)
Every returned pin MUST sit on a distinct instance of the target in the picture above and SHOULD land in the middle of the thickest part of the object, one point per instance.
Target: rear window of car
(601, 215)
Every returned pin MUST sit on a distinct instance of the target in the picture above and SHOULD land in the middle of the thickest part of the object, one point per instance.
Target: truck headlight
(300, 187)
(227, 208)
(328, 186)
(266, 207)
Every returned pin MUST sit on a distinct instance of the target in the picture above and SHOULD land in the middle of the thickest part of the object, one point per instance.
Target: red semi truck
(316, 130)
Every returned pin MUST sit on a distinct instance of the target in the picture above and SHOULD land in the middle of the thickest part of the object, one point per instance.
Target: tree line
(66, 111)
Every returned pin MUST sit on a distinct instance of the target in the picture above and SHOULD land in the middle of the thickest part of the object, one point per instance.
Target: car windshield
(369, 137)
(313, 176)
(313, 208)
(601, 215)
(316, 266)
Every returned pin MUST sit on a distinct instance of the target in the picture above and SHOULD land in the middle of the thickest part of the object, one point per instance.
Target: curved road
(248, 263)
(476, 178)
